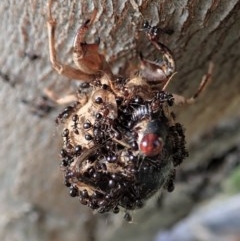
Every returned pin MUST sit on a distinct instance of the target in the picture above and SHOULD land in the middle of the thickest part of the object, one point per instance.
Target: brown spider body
(121, 142)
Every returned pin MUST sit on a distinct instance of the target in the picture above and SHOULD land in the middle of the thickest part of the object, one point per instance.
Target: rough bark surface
(34, 204)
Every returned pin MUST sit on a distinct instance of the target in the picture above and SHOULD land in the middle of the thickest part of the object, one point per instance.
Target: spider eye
(151, 144)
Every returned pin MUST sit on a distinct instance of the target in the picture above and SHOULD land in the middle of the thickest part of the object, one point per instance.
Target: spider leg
(60, 100)
(67, 99)
(181, 100)
(62, 69)
(159, 71)
(85, 55)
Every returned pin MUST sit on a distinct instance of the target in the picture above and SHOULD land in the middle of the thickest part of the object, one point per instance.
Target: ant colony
(121, 142)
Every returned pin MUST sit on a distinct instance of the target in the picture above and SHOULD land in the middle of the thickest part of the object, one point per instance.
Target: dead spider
(121, 143)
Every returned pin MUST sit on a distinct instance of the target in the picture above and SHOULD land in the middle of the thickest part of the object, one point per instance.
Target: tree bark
(34, 202)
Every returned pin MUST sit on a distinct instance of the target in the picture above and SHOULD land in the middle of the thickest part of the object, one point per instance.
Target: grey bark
(34, 204)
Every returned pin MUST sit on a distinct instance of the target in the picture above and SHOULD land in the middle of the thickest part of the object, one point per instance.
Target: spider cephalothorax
(121, 143)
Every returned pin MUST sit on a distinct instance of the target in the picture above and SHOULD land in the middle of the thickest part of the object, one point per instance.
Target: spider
(121, 142)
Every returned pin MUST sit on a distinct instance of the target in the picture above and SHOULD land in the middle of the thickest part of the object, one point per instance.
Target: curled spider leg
(153, 33)
(157, 72)
(168, 60)
(181, 100)
(86, 56)
(62, 69)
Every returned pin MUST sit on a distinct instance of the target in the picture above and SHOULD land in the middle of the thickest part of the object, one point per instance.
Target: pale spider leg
(168, 81)
(60, 100)
(62, 69)
(86, 56)
(66, 99)
(167, 57)
(80, 38)
(181, 100)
